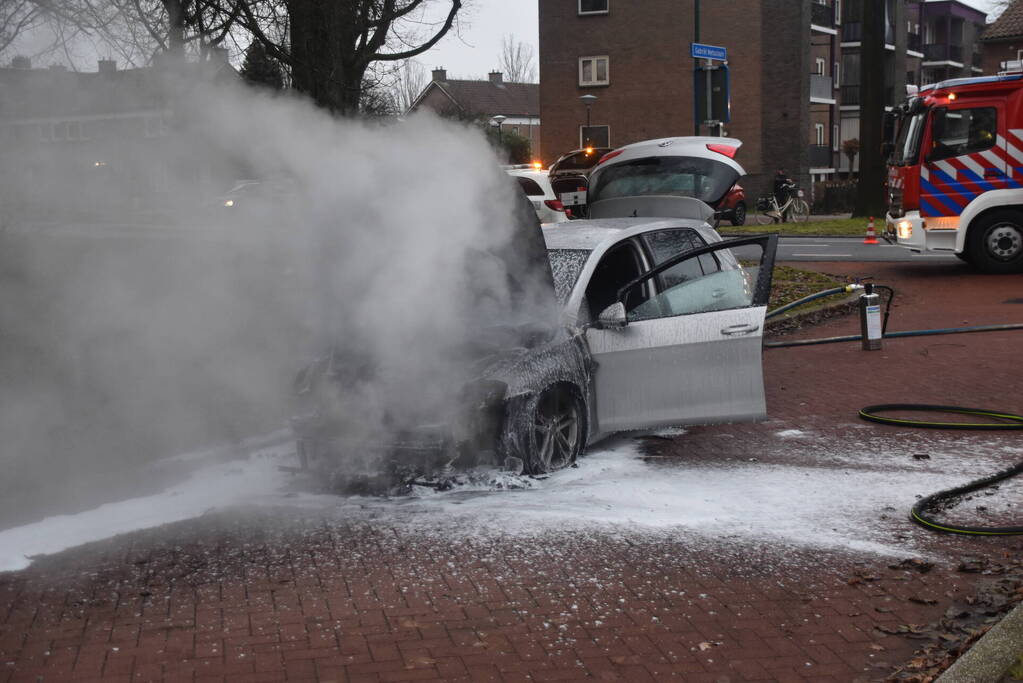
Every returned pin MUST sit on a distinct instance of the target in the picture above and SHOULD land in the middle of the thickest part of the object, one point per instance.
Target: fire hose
(942, 500)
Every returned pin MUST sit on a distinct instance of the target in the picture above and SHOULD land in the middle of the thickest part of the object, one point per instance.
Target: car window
(667, 244)
(617, 268)
(704, 179)
(530, 186)
(962, 131)
(566, 264)
(731, 284)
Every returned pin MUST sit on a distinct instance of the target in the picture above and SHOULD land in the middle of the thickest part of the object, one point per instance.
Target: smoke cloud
(136, 324)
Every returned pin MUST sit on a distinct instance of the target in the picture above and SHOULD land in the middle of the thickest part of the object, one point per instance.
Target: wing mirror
(613, 317)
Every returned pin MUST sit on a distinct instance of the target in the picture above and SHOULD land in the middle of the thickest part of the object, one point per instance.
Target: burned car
(642, 317)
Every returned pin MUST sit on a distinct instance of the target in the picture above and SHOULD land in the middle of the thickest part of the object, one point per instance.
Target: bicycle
(795, 206)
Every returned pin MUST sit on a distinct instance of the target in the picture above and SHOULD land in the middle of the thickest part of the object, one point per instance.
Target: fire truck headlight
(905, 230)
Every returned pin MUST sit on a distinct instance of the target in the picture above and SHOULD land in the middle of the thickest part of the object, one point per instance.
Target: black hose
(947, 498)
(894, 335)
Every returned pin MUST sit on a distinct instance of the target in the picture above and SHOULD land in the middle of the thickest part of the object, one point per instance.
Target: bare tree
(329, 45)
(517, 61)
(17, 17)
(409, 82)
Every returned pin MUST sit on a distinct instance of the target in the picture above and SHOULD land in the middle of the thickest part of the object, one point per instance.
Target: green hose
(935, 501)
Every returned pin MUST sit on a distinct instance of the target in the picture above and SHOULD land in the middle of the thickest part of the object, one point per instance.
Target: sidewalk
(371, 592)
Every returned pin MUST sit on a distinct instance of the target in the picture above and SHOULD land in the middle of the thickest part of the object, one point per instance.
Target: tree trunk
(323, 65)
(870, 189)
(175, 27)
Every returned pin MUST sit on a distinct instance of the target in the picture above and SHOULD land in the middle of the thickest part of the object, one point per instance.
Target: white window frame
(820, 62)
(594, 125)
(835, 74)
(582, 13)
(835, 134)
(819, 132)
(595, 81)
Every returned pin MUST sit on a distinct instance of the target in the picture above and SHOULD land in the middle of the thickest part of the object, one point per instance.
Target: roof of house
(488, 98)
(41, 93)
(1008, 25)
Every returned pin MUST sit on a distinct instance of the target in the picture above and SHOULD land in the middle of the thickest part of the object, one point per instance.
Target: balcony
(940, 52)
(820, 156)
(852, 32)
(913, 42)
(850, 95)
(822, 15)
(821, 87)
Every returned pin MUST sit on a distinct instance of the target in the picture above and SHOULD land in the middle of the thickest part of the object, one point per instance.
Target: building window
(593, 6)
(834, 138)
(594, 136)
(593, 71)
(819, 132)
(820, 66)
(834, 73)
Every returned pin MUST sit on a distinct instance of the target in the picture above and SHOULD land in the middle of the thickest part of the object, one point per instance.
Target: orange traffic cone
(871, 237)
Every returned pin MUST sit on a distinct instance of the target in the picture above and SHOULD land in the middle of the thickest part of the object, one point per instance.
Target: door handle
(744, 328)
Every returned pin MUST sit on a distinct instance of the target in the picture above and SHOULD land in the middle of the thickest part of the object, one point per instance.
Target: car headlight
(904, 229)
(229, 203)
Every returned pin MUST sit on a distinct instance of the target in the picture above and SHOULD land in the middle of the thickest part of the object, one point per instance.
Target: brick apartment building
(794, 67)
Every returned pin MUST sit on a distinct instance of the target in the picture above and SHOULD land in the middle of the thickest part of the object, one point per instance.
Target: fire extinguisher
(870, 318)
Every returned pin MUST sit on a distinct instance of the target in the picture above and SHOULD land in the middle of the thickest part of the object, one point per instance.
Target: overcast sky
(477, 49)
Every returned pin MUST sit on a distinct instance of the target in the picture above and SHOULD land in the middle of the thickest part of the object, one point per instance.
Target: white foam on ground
(831, 500)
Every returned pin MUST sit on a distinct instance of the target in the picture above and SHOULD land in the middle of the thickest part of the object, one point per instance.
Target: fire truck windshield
(907, 143)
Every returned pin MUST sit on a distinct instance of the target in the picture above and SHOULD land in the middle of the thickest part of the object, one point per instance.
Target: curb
(990, 657)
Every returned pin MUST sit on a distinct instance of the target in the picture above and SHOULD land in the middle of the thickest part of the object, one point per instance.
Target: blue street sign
(701, 51)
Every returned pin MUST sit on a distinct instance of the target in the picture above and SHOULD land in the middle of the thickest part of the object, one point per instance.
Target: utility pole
(696, 62)
(870, 189)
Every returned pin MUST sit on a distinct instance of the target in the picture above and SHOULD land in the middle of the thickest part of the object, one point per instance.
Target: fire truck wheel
(995, 242)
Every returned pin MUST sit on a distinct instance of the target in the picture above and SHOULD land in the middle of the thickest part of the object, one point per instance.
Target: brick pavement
(257, 595)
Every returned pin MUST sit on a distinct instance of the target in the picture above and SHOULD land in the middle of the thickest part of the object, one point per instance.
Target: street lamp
(588, 100)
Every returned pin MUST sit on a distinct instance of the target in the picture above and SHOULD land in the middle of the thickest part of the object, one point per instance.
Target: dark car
(569, 177)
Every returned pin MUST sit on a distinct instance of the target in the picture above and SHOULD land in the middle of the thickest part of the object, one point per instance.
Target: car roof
(533, 173)
(591, 234)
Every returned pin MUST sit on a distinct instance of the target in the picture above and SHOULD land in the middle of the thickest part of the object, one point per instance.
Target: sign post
(711, 96)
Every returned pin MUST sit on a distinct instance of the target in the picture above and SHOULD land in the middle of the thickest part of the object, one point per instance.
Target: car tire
(739, 214)
(995, 243)
(557, 430)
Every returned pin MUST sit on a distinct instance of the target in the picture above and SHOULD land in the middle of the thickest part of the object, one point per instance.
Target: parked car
(569, 177)
(536, 185)
(248, 200)
(731, 207)
(656, 322)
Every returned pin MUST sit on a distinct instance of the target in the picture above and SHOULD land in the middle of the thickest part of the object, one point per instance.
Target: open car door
(683, 344)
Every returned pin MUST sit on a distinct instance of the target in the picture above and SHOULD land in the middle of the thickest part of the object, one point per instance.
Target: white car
(537, 186)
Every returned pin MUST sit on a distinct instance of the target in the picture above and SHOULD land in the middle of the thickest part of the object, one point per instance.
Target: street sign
(712, 96)
(701, 51)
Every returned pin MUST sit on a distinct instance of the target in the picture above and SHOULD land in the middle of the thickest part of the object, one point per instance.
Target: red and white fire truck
(955, 171)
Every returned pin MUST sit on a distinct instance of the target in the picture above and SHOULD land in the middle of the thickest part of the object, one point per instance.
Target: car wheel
(557, 431)
(995, 243)
(739, 215)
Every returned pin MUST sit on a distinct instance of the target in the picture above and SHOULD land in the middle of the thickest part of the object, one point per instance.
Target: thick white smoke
(132, 335)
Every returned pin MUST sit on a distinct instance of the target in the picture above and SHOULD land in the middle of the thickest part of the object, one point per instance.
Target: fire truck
(955, 171)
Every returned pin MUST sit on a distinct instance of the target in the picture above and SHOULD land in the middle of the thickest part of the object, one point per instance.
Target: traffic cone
(871, 237)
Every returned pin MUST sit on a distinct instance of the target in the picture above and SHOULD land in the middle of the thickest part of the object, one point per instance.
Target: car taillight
(728, 150)
(554, 204)
(610, 155)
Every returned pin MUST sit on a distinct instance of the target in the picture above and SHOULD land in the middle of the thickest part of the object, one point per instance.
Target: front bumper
(908, 231)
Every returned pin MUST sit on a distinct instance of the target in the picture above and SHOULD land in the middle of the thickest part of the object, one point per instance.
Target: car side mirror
(613, 317)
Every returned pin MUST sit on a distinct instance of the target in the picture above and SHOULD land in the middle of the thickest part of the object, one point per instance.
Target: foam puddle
(827, 500)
